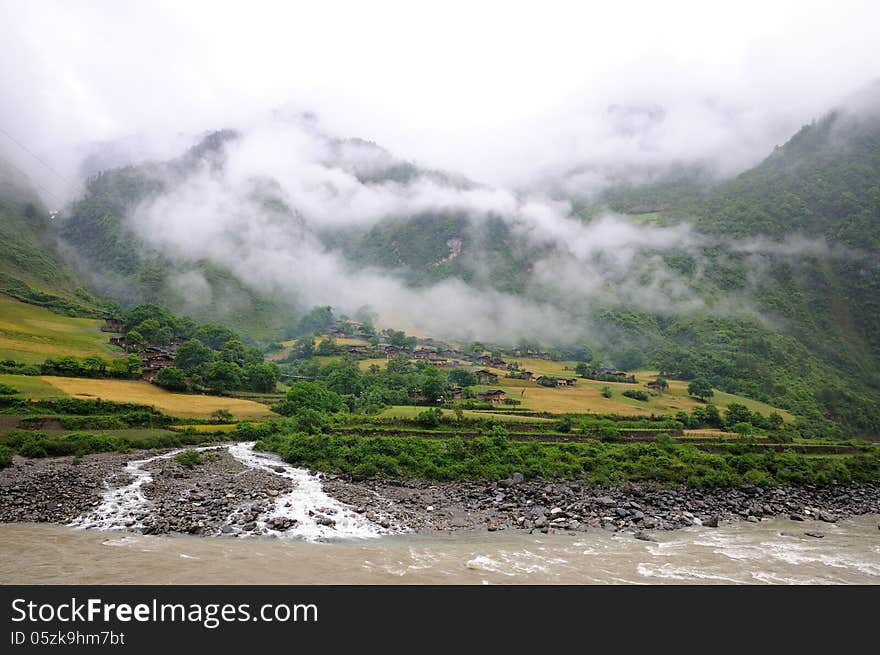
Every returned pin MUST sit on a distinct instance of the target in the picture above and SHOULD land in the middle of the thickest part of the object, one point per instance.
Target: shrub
(5, 456)
(172, 379)
(188, 458)
(564, 424)
(430, 418)
(608, 433)
(635, 394)
(607, 391)
(742, 428)
(6, 390)
(32, 446)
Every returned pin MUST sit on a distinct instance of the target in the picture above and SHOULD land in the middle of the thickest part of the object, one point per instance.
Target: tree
(462, 377)
(582, 369)
(134, 339)
(661, 383)
(262, 377)
(607, 392)
(214, 336)
(149, 329)
(126, 367)
(477, 347)
(700, 388)
(192, 354)
(397, 338)
(233, 351)
(303, 348)
(223, 376)
(309, 396)
(94, 365)
(343, 377)
(172, 378)
(737, 413)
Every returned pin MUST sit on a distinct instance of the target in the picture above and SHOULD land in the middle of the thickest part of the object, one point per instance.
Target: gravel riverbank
(223, 496)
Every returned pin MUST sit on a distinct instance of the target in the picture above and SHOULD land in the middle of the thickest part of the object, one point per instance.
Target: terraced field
(175, 404)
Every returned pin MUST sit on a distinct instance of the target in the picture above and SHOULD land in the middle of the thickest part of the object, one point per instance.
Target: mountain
(765, 284)
(32, 267)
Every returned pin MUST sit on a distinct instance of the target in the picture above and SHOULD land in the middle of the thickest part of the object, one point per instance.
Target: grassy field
(206, 427)
(31, 334)
(410, 412)
(32, 387)
(175, 404)
(587, 396)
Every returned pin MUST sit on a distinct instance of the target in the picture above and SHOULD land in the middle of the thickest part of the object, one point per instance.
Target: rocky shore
(222, 496)
(570, 506)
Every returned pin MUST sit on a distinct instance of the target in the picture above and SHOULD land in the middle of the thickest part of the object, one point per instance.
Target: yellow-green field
(410, 412)
(587, 396)
(32, 387)
(31, 334)
(175, 404)
(206, 427)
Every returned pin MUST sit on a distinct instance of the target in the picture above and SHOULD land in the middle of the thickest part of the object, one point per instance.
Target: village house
(112, 325)
(453, 393)
(153, 360)
(357, 349)
(117, 341)
(493, 396)
(565, 382)
(486, 377)
(433, 360)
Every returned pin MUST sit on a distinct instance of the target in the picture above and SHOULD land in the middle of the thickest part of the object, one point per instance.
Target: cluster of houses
(494, 396)
(153, 357)
(606, 374)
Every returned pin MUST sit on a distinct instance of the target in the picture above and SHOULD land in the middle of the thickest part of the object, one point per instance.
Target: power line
(35, 156)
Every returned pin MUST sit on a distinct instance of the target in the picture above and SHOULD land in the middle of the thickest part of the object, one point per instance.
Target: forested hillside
(784, 268)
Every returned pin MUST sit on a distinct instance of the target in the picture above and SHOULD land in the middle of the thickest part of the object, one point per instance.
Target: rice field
(174, 404)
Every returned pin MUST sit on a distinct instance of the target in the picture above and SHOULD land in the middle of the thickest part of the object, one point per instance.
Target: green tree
(700, 388)
(192, 354)
(135, 340)
(233, 351)
(462, 377)
(149, 329)
(737, 413)
(262, 377)
(126, 367)
(172, 378)
(223, 376)
(315, 396)
(94, 365)
(214, 336)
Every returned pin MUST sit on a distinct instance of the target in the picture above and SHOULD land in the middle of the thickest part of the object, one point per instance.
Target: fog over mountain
(489, 117)
(502, 93)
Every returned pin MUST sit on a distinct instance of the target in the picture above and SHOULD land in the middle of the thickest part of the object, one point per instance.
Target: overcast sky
(500, 91)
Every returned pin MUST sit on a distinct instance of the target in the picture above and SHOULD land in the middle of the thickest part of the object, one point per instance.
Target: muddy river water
(771, 552)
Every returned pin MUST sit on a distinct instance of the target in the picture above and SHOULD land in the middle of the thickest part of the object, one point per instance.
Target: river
(745, 553)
